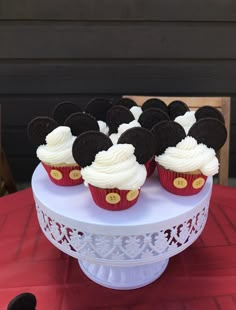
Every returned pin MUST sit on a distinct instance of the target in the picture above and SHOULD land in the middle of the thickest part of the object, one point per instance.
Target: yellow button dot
(113, 198)
(131, 195)
(198, 183)
(75, 174)
(56, 174)
(180, 182)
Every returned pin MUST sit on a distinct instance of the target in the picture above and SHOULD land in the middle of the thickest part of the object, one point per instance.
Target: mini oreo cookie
(209, 131)
(80, 122)
(87, 145)
(177, 108)
(208, 111)
(24, 301)
(126, 102)
(116, 116)
(167, 133)
(151, 117)
(39, 127)
(98, 107)
(142, 140)
(155, 103)
(63, 110)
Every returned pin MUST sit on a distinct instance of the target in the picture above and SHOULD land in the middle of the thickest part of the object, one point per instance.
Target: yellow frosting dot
(180, 182)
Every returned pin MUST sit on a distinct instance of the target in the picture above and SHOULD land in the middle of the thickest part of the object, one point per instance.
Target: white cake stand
(121, 249)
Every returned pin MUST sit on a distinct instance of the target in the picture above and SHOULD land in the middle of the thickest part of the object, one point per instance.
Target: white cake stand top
(155, 209)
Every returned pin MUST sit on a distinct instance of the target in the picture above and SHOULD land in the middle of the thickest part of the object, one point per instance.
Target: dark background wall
(56, 50)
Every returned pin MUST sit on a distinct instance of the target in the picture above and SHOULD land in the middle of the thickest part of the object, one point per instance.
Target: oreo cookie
(39, 127)
(24, 301)
(80, 122)
(177, 108)
(209, 131)
(151, 117)
(208, 111)
(155, 103)
(143, 142)
(116, 116)
(167, 133)
(126, 102)
(87, 145)
(98, 107)
(62, 111)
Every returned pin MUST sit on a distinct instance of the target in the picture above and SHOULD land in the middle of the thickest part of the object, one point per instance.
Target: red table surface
(201, 277)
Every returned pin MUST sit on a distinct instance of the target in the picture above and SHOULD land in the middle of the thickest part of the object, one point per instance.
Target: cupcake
(114, 174)
(185, 161)
(54, 144)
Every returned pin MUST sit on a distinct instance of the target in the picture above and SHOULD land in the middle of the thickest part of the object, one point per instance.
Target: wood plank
(161, 10)
(119, 77)
(117, 40)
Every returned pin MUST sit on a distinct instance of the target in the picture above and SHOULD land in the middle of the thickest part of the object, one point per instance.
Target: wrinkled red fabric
(201, 277)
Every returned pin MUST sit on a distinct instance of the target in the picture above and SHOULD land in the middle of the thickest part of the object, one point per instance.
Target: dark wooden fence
(55, 50)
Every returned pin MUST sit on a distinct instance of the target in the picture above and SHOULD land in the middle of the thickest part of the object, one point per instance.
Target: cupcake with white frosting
(54, 142)
(56, 157)
(185, 161)
(113, 173)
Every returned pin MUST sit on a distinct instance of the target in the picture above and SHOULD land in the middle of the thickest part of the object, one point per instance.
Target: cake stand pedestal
(122, 249)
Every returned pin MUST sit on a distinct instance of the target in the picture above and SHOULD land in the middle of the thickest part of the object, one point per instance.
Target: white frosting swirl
(189, 156)
(115, 168)
(122, 128)
(103, 127)
(186, 120)
(58, 147)
(136, 111)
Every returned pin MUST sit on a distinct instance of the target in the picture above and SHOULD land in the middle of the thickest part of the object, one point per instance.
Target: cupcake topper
(118, 115)
(143, 142)
(151, 117)
(155, 103)
(25, 301)
(39, 127)
(167, 133)
(81, 122)
(177, 108)
(126, 102)
(87, 145)
(63, 110)
(98, 107)
(209, 131)
(208, 111)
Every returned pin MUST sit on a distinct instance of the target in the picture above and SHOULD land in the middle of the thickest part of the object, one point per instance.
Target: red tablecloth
(201, 277)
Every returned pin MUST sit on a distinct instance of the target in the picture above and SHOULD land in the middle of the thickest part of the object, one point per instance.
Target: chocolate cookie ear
(143, 142)
(39, 127)
(81, 122)
(23, 301)
(126, 102)
(208, 111)
(87, 145)
(98, 107)
(209, 131)
(63, 110)
(155, 103)
(177, 108)
(151, 117)
(167, 133)
(116, 116)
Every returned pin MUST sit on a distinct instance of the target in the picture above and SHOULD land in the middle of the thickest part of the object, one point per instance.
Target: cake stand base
(123, 278)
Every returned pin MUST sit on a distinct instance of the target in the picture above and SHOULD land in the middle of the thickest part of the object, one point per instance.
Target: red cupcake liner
(150, 167)
(114, 199)
(181, 184)
(64, 176)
